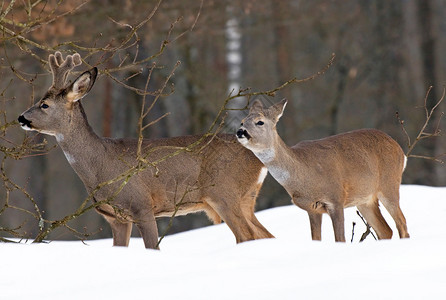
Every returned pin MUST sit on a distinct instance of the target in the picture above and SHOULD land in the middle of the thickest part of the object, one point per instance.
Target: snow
(207, 264)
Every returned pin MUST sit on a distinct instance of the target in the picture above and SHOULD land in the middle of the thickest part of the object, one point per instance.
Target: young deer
(356, 168)
(212, 180)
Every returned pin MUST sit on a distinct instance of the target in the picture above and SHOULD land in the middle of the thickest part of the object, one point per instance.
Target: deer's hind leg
(260, 232)
(248, 203)
(212, 214)
(232, 214)
(373, 216)
(391, 201)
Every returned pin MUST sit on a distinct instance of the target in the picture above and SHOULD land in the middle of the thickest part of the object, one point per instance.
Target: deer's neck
(280, 161)
(81, 146)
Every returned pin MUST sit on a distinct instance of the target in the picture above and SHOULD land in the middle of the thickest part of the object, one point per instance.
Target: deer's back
(214, 164)
(361, 161)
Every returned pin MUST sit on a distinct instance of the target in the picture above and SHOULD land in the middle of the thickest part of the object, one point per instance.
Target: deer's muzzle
(25, 123)
(243, 133)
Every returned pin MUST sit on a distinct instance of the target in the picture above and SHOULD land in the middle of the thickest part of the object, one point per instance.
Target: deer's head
(258, 130)
(52, 114)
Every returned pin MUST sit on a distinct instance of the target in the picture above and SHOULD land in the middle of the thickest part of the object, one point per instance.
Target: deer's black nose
(243, 133)
(24, 121)
(240, 133)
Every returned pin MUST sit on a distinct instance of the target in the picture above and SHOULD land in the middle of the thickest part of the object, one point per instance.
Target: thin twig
(368, 231)
(353, 231)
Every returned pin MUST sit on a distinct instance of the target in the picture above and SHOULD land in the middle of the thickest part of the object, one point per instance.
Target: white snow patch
(207, 264)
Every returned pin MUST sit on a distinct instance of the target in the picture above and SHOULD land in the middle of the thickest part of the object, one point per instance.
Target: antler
(60, 67)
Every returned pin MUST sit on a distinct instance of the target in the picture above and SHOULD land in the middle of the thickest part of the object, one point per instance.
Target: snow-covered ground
(207, 264)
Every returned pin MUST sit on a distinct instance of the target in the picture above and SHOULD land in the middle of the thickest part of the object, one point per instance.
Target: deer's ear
(82, 85)
(276, 111)
(256, 106)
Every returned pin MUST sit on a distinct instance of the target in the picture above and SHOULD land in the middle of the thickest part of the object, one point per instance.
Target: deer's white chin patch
(244, 141)
(25, 127)
(45, 132)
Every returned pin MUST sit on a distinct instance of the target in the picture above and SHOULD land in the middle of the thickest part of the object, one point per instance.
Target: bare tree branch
(423, 134)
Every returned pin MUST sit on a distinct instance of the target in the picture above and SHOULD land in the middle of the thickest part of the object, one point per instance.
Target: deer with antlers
(210, 179)
(356, 168)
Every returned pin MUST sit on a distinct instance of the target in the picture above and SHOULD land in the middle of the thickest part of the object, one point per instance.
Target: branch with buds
(125, 50)
(424, 133)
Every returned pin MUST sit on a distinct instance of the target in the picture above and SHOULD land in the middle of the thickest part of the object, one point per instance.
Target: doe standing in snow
(209, 180)
(356, 168)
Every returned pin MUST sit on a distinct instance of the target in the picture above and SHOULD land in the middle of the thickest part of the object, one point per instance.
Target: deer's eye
(44, 105)
(260, 123)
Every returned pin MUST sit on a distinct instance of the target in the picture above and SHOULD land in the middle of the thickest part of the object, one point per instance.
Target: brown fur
(356, 168)
(222, 179)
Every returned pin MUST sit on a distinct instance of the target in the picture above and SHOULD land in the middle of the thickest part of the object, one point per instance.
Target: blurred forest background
(387, 55)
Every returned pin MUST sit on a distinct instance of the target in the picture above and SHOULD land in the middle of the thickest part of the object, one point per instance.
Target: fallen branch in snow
(353, 231)
(368, 231)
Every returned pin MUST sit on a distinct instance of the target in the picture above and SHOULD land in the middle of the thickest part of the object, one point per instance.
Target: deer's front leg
(315, 224)
(121, 232)
(146, 223)
(309, 204)
(315, 209)
(336, 213)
